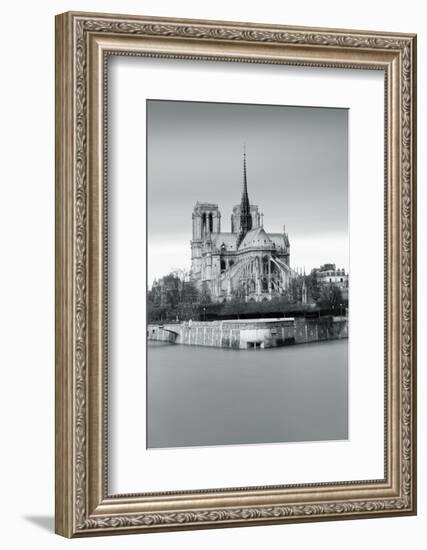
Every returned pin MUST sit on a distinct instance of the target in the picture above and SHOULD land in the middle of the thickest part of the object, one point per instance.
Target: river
(214, 396)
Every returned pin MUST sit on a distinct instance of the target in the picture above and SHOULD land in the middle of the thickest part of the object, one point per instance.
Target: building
(246, 262)
(328, 274)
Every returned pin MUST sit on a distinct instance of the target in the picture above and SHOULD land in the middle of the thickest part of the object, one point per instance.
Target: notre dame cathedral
(247, 262)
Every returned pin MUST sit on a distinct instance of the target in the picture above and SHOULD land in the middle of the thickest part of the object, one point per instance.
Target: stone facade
(246, 262)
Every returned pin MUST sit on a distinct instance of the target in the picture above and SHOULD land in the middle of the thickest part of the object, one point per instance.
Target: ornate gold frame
(83, 506)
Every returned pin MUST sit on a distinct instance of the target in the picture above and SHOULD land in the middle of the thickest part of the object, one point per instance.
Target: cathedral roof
(228, 239)
(278, 239)
(256, 238)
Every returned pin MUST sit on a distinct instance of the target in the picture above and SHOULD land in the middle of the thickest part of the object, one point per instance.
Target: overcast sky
(297, 164)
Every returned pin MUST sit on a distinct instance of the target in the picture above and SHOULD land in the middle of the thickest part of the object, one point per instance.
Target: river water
(213, 396)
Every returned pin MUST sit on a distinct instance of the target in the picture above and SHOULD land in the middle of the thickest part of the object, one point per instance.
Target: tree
(189, 293)
(313, 288)
(330, 297)
(293, 292)
(238, 295)
(189, 300)
(171, 286)
(205, 295)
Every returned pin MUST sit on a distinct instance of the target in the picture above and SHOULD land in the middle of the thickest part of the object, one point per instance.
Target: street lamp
(204, 314)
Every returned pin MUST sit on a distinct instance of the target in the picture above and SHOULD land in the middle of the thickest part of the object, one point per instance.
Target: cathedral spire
(245, 176)
(245, 208)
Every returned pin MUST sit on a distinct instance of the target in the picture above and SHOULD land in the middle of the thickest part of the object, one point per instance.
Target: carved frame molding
(83, 43)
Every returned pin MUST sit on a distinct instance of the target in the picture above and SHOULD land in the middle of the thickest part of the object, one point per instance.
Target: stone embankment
(251, 333)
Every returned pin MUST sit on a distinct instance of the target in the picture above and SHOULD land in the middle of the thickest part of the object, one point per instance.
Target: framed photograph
(235, 274)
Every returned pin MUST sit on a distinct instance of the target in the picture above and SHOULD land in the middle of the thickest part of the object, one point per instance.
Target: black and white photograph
(247, 274)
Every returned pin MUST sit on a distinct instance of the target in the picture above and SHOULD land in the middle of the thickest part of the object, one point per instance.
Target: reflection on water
(211, 396)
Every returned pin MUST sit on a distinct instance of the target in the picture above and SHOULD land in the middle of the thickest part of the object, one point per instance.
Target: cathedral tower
(206, 222)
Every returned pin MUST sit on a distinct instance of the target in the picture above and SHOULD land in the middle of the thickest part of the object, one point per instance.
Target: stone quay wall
(251, 333)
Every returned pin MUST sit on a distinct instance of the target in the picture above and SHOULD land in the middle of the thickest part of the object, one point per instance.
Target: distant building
(248, 261)
(166, 289)
(328, 274)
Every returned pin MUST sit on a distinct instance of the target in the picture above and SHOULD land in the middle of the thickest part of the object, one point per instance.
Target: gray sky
(297, 163)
